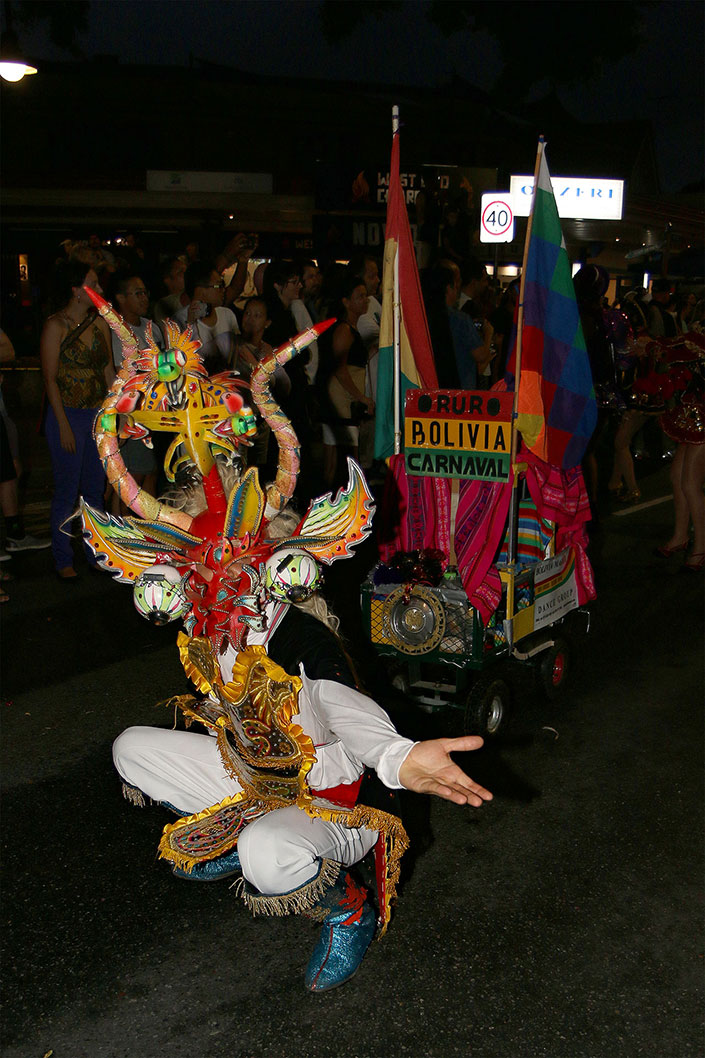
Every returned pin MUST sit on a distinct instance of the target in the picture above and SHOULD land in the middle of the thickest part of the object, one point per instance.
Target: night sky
(663, 80)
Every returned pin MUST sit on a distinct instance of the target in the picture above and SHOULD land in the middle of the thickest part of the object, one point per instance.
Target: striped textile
(561, 497)
(533, 535)
(479, 527)
(415, 512)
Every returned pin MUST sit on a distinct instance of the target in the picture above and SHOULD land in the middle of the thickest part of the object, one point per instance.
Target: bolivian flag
(557, 410)
(417, 366)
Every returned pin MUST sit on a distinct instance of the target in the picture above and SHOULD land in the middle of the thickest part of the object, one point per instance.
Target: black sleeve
(302, 639)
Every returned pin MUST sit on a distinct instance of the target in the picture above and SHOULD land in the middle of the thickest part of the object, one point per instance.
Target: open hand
(429, 769)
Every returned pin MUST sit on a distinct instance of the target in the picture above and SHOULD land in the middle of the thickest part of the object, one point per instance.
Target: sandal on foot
(666, 551)
(699, 565)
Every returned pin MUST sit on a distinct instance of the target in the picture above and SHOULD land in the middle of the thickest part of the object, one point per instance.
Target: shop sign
(555, 588)
(213, 183)
(578, 197)
(367, 188)
(411, 184)
(337, 235)
(458, 434)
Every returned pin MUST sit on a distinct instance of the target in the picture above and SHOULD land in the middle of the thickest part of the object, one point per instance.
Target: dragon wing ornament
(332, 526)
(120, 545)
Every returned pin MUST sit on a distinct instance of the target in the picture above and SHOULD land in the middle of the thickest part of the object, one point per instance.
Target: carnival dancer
(275, 790)
(684, 422)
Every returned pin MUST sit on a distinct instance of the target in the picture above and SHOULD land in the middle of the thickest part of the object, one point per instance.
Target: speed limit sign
(497, 218)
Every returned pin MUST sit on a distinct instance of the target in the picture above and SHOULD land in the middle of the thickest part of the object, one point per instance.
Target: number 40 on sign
(496, 217)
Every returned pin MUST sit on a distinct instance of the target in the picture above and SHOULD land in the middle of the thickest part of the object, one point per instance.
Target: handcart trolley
(418, 614)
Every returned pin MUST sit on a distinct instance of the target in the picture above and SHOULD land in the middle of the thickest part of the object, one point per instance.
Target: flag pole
(512, 542)
(396, 318)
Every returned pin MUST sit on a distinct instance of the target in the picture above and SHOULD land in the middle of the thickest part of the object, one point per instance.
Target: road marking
(642, 506)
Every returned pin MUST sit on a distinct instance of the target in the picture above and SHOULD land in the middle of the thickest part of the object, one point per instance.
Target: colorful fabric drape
(417, 366)
(480, 523)
(561, 497)
(557, 410)
(415, 513)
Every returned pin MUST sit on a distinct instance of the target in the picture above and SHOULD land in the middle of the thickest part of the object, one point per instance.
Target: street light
(12, 70)
(12, 65)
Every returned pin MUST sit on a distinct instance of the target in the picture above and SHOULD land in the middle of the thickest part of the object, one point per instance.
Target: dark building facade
(103, 147)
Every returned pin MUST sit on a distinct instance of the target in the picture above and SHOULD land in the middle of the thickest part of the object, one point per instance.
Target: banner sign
(555, 589)
(580, 197)
(458, 433)
(364, 187)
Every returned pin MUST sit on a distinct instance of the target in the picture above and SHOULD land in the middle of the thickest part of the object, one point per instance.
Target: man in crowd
(214, 325)
(661, 322)
(172, 274)
(312, 282)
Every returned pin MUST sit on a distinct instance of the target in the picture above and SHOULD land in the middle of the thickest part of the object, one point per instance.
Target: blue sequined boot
(348, 928)
(212, 870)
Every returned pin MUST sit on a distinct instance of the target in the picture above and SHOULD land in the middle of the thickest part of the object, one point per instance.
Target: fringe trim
(396, 842)
(299, 901)
(133, 795)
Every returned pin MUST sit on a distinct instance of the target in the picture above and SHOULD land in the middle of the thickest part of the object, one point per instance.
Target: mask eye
(159, 595)
(292, 576)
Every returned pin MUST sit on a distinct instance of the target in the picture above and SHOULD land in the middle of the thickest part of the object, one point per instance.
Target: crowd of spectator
(241, 306)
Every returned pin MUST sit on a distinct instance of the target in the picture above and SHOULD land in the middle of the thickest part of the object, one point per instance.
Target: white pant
(279, 852)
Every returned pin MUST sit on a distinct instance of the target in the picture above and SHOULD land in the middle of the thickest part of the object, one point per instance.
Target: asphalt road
(563, 920)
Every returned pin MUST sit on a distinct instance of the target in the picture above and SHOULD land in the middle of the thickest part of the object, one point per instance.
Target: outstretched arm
(428, 768)
(369, 735)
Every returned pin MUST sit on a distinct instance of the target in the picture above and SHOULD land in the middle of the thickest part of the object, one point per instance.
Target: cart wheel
(553, 669)
(487, 707)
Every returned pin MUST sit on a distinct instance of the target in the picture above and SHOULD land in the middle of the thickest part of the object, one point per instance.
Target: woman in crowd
(78, 370)
(622, 483)
(250, 348)
(341, 381)
(281, 290)
(130, 297)
(687, 480)
(281, 287)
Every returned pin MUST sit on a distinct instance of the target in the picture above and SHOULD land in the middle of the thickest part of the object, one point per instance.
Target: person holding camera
(214, 325)
(238, 253)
